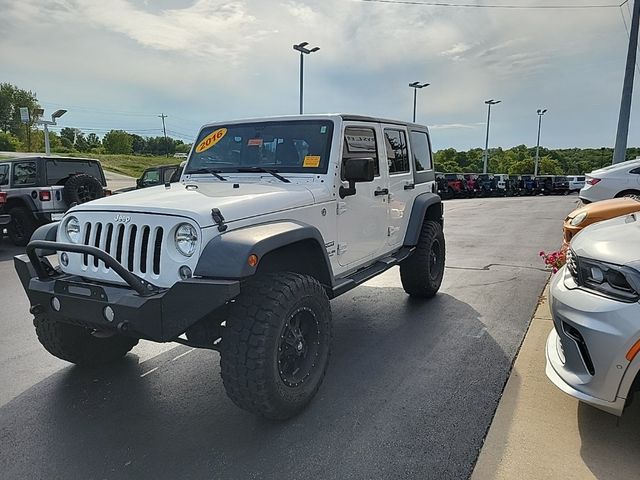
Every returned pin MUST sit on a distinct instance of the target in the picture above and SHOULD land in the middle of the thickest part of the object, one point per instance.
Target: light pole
(486, 143)
(416, 86)
(301, 47)
(46, 123)
(620, 150)
(540, 114)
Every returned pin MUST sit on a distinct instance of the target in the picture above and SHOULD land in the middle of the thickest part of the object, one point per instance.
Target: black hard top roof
(45, 157)
(364, 118)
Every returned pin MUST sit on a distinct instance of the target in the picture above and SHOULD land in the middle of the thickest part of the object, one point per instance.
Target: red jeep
(457, 184)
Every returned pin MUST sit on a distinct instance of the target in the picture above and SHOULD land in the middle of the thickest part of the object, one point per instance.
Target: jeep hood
(614, 241)
(197, 200)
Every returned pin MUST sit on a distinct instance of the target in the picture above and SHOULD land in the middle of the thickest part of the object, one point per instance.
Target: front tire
(276, 344)
(422, 272)
(78, 345)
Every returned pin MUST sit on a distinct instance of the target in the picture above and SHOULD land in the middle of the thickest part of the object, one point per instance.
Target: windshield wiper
(207, 170)
(264, 170)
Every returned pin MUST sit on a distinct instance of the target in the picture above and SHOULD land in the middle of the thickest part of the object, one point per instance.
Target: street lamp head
(58, 114)
(419, 85)
(301, 47)
(492, 102)
(542, 112)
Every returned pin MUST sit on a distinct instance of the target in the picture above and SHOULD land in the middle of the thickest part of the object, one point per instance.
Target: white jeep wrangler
(272, 218)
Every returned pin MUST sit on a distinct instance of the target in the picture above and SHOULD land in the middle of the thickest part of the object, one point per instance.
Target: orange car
(596, 212)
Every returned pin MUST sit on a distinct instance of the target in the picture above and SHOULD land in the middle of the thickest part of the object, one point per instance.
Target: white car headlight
(72, 229)
(186, 239)
(578, 219)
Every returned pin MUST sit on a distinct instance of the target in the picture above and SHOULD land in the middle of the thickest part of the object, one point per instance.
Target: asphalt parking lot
(410, 392)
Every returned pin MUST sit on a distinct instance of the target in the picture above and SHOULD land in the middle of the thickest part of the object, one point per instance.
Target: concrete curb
(538, 432)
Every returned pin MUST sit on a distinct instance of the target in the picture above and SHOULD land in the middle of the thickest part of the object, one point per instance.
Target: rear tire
(22, 226)
(628, 193)
(77, 345)
(82, 188)
(422, 272)
(276, 344)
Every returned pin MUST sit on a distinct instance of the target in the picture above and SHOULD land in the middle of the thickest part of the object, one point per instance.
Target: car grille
(136, 247)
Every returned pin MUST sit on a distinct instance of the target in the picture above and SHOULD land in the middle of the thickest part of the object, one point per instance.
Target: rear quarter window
(58, 171)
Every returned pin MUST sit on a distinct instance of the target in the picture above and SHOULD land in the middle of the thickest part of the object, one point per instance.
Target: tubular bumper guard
(139, 309)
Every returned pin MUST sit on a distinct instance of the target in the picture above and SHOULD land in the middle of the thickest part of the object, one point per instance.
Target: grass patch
(131, 165)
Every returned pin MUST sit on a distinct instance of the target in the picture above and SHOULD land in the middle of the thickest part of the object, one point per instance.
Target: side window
(420, 151)
(360, 142)
(168, 173)
(151, 177)
(4, 174)
(636, 171)
(24, 173)
(397, 151)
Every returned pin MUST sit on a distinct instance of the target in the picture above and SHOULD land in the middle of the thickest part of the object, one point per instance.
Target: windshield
(297, 146)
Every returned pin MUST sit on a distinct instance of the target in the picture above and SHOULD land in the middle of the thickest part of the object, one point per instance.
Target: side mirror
(356, 170)
(138, 182)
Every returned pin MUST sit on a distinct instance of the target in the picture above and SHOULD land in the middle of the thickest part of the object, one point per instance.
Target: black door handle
(409, 186)
(383, 191)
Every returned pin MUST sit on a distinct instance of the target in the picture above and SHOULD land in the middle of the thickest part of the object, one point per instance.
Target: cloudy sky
(120, 63)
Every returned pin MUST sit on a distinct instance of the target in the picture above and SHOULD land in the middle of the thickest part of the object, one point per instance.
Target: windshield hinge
(218, 219)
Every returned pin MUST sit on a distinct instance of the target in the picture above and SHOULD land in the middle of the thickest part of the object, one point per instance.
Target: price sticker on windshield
(211, 139)
(311, 161)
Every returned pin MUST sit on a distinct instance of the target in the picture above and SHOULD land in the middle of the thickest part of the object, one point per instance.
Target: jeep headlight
(186, 239)
(72, 229)
(578, 219)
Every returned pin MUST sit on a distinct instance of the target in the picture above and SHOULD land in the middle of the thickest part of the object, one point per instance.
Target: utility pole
(301, 47)
(164, 129)
(486, 143)
(416, 86)
(540, 114)
(620, 151)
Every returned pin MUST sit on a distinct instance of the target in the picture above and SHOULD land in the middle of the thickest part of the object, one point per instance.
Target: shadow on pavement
(610, 445)
(393, 387)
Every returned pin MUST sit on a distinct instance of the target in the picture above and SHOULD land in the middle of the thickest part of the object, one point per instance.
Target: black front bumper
(156, 314)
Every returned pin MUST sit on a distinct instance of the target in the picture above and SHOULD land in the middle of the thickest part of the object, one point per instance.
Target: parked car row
(471, 185)
(592, 351)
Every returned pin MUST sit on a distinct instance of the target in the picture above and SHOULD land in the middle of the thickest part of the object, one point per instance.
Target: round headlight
(186, 239)
(578, 219)
(72, 228)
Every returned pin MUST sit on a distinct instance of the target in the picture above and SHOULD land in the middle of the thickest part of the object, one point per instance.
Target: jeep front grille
(137, 247)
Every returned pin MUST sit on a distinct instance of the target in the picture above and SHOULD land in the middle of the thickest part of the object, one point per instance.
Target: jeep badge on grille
(122, 218)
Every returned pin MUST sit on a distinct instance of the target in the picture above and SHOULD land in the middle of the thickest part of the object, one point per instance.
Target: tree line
(16, 136)
(521, 160)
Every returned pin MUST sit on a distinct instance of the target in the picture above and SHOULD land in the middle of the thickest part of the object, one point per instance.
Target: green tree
(93, 140)
(9, 142)
(12, 99)
(68, 134)
(118, 141)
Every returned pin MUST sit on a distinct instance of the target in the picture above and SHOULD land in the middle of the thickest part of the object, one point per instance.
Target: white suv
(611, 182)
(576, 183)
(272, 218)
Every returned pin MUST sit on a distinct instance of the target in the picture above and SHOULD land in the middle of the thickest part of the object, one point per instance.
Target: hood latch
(218, 219)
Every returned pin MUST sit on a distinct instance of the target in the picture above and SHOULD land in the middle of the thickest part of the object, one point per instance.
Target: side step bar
(345, 284)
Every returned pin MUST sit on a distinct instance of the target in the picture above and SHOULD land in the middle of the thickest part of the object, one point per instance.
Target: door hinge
(342, 248)
(391, 231)
(341, 208)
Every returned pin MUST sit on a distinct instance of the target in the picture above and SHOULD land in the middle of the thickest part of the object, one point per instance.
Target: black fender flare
(46, 232)
(293, 244)
(425, 206)
(21, 200)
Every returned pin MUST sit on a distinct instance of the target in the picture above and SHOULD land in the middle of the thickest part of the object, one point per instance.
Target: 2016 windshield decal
(211, 139)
